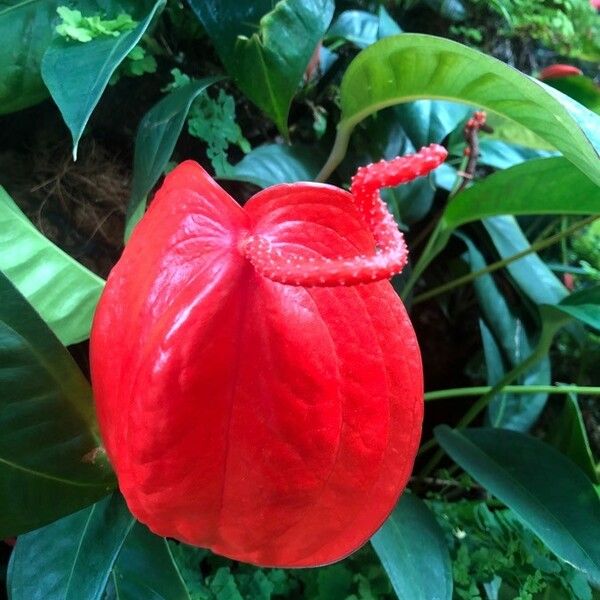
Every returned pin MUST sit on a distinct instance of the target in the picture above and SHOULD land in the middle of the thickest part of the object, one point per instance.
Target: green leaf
(545, 490)
(362, 28)
(412, 66)
(506, 343)
(77, 74)
(146, 569)
(277, 163)
(25, 30)
(536, 187)
(580, 88)
(583, 305)
(155, 141)
(413, 551)
(570, 437)
(49, 459)
(530, 273)
(72, 558)
(266, 52)
(61, 290)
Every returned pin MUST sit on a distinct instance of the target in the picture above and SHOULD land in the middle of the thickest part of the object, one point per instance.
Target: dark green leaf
(506, 344)
(570, 437)
(580, 88)
(71, 559)
(49, 459)
(412, 66)
(77, 74)
(266, 47)
(413, 551)
(155, 141)
(546, 491)
(277, 163)
(26, 30)
(61, 290)
(146, 569)
(583, 305)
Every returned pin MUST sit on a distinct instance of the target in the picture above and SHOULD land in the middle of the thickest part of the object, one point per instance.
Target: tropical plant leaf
(414, 553)
(570, 437)
(412, 66)
(77, 74)
(264, 47)
(545, 490)
(506, 343)
(363, 28)
(61, 290)
(50, 463)
(72, 558)
(146, 569)
(155, 141)
(530, 273)
(277, 163)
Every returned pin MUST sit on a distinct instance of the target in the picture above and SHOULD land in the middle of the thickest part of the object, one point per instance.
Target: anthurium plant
(299, 300)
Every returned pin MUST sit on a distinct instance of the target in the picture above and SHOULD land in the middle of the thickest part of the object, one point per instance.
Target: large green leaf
(546, 491)
(155, 141)
(545, 186)
(71, 559)
(580, 88)
(26, 30)
(49, 459)
(146, 569)
(277, 163)
(266, 46)
(412, 66)
(61, 290)
(414, 553)
(77, 74)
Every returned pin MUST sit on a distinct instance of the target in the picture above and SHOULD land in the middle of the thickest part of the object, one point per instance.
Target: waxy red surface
(257, 381)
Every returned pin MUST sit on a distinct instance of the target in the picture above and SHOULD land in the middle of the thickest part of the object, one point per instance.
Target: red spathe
(275, 424)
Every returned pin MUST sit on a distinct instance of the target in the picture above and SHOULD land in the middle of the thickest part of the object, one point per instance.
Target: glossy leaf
(266, 47)
(155, 141)
(77, 74)
(545, 490)
(277, 163)
(570, 437)
(60, 289)
(530, 273)
(363, 28)
(502, 155)
(583, 305)
(72, 558)
(414, 553)
(537, 187)
(544, 186)
(26, 30)
(146, 569)
(413, 66)
(49, 459)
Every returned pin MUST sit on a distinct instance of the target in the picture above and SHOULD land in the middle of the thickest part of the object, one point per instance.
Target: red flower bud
(251, 398)
(558, 71)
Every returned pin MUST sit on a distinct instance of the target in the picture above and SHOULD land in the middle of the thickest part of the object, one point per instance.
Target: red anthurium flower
(258, 382)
